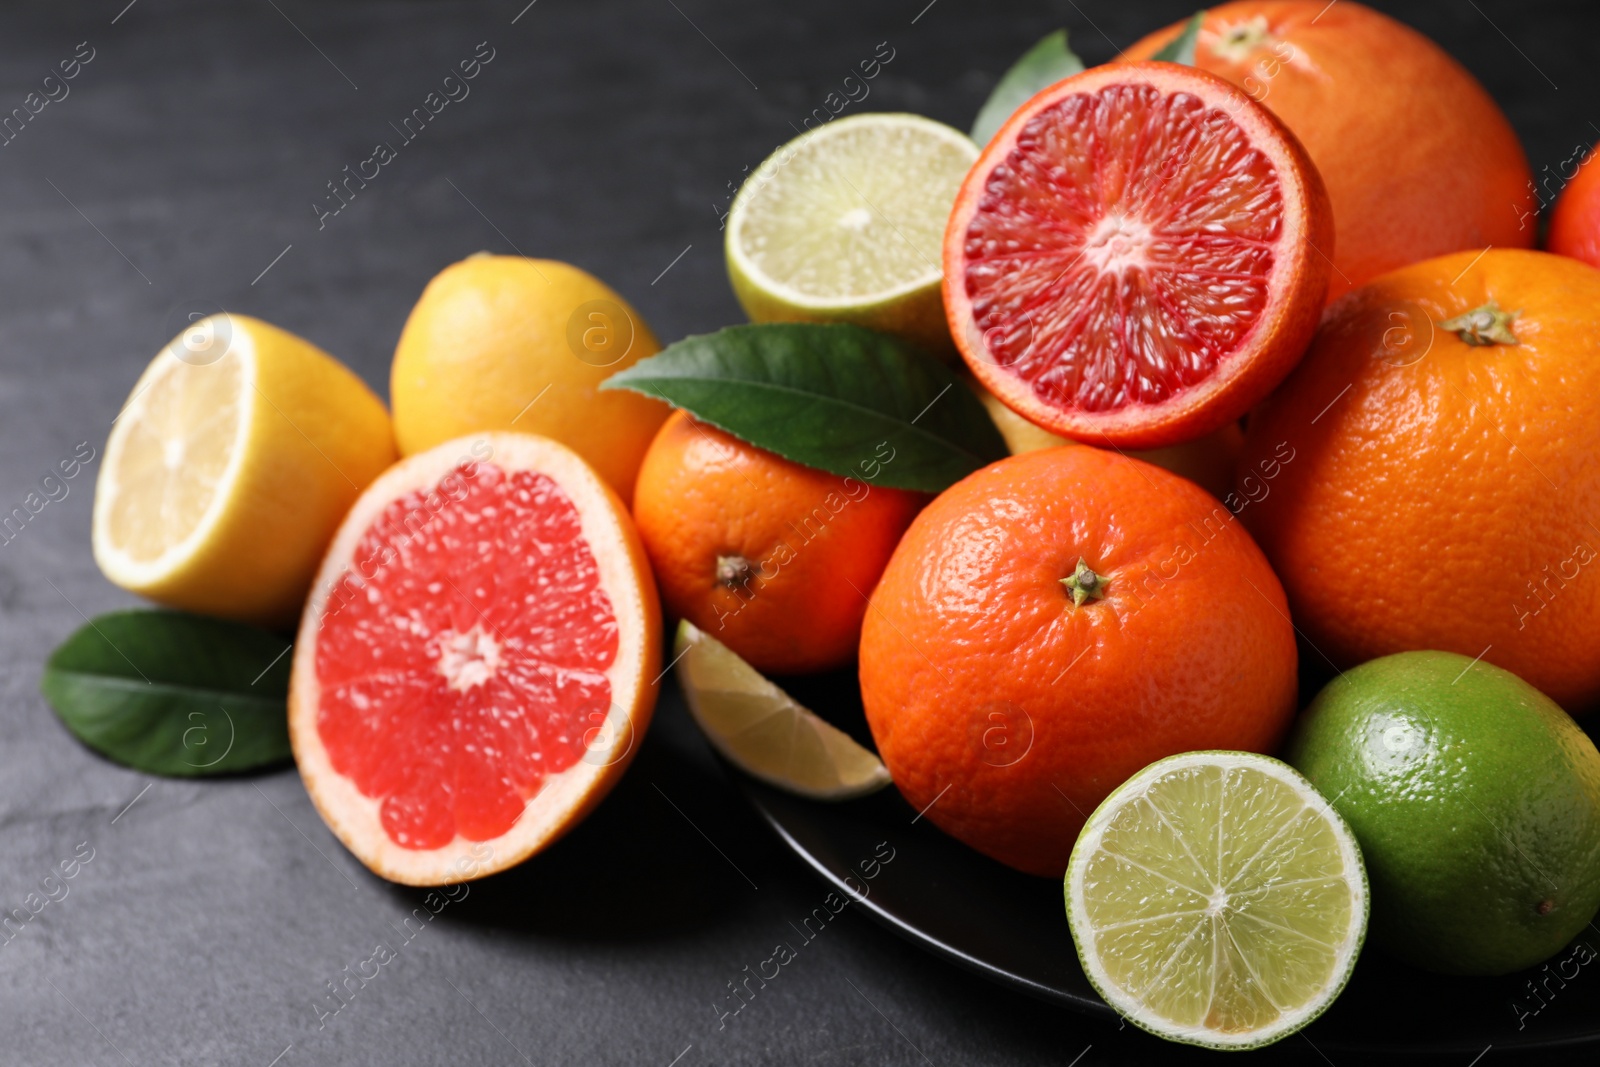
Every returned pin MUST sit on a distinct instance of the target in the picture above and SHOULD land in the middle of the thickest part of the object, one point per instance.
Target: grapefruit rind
(565, 797)
(1296, 283)
(1351, 873)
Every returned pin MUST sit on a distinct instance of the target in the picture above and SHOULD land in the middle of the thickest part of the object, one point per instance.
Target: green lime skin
(1476, 802)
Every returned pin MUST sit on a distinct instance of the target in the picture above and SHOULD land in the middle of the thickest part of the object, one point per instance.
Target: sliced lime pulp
(1216, 899)
(846, 224)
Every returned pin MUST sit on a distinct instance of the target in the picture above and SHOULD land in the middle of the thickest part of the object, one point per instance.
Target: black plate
(1012, 928)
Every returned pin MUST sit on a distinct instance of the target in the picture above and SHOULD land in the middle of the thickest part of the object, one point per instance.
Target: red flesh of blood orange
(474, 671)
(1138, 256)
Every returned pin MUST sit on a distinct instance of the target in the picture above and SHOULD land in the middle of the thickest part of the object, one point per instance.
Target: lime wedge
(763, 731)
(846, 224)
(1216, 899)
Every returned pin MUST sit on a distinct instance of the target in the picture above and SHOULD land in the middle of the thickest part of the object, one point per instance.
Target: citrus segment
(844, 223)
(1216, 899)
(1138, 256)
(229, 468)
(763, 731)
(476, 664)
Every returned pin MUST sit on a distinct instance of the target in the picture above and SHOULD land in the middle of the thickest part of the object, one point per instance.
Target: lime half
(1216, 899)
(763, 731)
(846, 224)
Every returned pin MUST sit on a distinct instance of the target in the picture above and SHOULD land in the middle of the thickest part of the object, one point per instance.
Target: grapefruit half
(1138, 256)
(478, 661)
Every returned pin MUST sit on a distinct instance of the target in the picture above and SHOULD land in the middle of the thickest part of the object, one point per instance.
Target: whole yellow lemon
(511, 343)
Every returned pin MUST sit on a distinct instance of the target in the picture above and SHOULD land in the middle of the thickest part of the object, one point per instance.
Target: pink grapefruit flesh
(1138, 256)
(477, 663)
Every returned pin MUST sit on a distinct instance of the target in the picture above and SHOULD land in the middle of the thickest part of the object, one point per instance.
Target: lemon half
(229, 467)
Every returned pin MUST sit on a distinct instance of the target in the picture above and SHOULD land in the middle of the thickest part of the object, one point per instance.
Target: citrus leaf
(840, 398)
(1042, 65)
(1181, 48)
(174, 694)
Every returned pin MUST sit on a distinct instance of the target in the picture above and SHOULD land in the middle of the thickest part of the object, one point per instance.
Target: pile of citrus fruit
(1079, 436)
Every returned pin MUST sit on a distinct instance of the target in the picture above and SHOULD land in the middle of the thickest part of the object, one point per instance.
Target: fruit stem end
(1084, 584)
(733, 571)
(1485, 325)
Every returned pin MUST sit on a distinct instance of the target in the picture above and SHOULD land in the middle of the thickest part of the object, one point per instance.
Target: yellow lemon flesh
(765, 732)
(229, 467)
(508, 343)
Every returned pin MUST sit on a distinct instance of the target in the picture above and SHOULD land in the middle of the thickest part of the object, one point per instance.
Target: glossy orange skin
(1014, 713)
(816, 543)
(1575, 220)
(1437, 495)
(1417, 157)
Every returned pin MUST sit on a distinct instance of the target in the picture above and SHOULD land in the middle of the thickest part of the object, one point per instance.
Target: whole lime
(1476, 801)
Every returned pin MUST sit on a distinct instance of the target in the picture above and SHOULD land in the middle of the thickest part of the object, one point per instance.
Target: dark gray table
(180, 171)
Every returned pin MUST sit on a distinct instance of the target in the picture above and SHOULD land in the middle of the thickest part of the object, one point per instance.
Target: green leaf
(173, 694)
(1181, 48)
(839, 398)
(1042, 65)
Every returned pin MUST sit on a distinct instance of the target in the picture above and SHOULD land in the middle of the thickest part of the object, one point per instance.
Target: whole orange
(1417, 157)
(1426, 478)
(1575, 221)
(1053, 623)
(773, 559)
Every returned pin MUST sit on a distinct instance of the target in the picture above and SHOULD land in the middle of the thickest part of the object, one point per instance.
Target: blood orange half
(478, 661)
(1138, 256)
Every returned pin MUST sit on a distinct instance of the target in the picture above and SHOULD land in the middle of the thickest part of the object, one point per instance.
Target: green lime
(1476, 800)
(846, 224)
(1216, 899)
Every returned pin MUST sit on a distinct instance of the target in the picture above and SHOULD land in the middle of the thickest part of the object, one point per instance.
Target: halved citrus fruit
(229, 468)
(1216, 899)
(843, 224)
(766, 732)
(478, 661)
(1138, 256)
